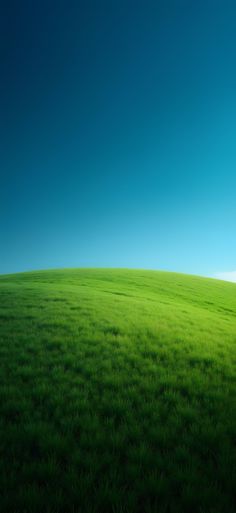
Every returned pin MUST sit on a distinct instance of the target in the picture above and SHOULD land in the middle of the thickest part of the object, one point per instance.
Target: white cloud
(227, 276)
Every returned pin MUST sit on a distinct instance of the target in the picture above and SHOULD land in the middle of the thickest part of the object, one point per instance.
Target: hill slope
(117, 392)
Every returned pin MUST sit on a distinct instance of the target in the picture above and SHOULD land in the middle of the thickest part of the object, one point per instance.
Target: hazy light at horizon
(227, 276)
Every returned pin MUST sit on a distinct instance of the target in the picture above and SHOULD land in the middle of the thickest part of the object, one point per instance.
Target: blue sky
(118, 126)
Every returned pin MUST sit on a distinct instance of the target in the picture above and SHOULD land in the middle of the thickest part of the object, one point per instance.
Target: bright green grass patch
(117, 392)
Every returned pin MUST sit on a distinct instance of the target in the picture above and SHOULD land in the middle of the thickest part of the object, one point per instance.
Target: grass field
(117, 392)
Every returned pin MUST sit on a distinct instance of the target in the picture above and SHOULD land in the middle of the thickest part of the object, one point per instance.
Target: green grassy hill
(117, 392)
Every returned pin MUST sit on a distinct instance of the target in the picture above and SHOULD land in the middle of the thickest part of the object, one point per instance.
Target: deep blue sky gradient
(118, 134)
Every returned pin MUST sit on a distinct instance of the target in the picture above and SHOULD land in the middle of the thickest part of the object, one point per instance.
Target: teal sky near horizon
(118, 128)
